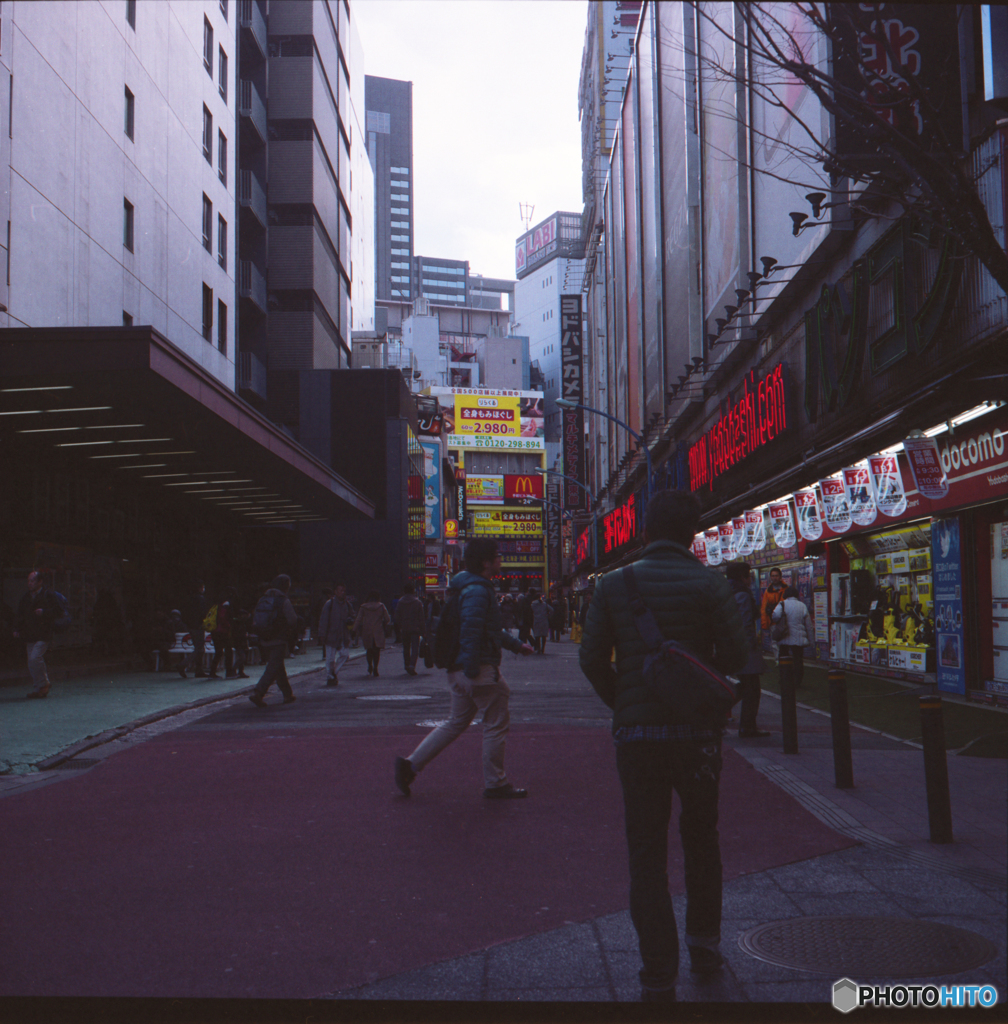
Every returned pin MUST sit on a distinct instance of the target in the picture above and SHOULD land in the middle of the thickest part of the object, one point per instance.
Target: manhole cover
(77, 764)
(868, 947)
(396, 696)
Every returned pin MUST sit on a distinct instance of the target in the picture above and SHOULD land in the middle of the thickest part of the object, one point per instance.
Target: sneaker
(404, 775)
(290, 699)
(257, 700)
(704, 960)
(505, 792)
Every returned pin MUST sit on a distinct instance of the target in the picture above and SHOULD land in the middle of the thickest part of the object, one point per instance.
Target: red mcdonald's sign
(527, 487)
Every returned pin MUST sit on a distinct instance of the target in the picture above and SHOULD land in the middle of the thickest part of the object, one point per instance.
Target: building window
(222, 241)
(401, 209)
(207, 313)
(222, 75)
(223, 8)
(128, 224)
(129, 113)
(207, 135)
(127, 319)
(208, 47)
(131, 14)
(222, 156)
(221, 327)
(207, 223)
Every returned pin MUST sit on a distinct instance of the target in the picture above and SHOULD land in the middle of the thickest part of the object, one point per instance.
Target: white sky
(495, 118)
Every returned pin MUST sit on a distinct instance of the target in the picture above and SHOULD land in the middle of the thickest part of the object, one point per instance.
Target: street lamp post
(566, 403)
(591, 503)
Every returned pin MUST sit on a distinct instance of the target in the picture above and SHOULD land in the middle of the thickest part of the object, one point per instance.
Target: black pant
(198, 647)
(539, 644)
(797, 661)
(373, 656)
(275, 671)
(649, 771)
(555, 634)
(222, 645)
(749, 691)
(410, 648)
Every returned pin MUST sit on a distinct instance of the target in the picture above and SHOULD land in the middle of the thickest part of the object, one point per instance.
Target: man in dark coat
(36, 613)
(273, 642)
(410, 621)
(693, 605)
(739, 576)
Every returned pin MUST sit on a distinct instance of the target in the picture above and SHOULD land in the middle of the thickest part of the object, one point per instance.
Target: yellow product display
(890, 630)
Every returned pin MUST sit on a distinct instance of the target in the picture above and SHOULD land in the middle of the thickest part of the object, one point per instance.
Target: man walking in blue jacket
(474, 680)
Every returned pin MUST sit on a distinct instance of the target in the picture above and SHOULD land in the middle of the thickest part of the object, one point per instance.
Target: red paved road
(283, 864)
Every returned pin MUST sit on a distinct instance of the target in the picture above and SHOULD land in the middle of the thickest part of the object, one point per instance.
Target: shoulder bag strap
(643, 618)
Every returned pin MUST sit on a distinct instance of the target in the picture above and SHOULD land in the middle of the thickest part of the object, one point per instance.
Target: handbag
(779, 629)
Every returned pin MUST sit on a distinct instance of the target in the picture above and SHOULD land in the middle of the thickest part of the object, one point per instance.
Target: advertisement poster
(887, 485)
(726, 535)
(533, 418)
(497, 415)
(860, 497)
(821, 617)
(700, 547)
(926, 466)
(712, 545)
(507, 523)
(947, 576)
(755, 529)
(484, 490)
(524, 489)
(835, 507)
(782, 524)
(741, 541)
(432, 489)
(809, 514)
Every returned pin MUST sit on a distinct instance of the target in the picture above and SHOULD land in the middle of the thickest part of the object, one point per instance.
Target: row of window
(400, 252)
(398, 198)
(431, 269)
(548, 315)
(400, 280)
(444, 284)
(208, 143)
(400, 238)
(208, 319)
(222, 60)
(208, 232)
(404, 210)
(398, 184)
(400, 170)
(442, 296)
(400, 266)
(547, 280)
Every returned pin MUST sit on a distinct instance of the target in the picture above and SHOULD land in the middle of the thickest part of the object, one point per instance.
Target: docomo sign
(485, 414)
(973, 450)
(759, 415)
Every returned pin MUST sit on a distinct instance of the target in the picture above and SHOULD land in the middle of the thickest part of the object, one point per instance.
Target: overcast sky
(495, 116)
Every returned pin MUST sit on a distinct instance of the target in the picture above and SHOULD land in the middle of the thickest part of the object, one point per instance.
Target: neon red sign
(755, 419)
(620, 526)
(584, 546)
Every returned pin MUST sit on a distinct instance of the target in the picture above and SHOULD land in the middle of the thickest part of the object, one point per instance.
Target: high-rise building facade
(389, 106)
(441, 280)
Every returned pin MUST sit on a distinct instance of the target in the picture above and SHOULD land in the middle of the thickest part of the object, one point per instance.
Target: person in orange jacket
(773, 594)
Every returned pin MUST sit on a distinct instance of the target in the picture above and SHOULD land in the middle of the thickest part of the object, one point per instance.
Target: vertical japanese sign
(946, 565)
(572, 388)
(553, 540)
(432, 489)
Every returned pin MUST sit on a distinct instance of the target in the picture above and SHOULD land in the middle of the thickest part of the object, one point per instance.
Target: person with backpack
(194, 611)
(370, 625)
(410, 622)
(333, 622)
(40, 614)
(274, 621)
(468, 643)
(793, 630)
(218, 621)
(661, 745)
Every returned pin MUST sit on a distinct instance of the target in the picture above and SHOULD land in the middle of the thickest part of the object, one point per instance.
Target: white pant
(335, 659)
(37, 665)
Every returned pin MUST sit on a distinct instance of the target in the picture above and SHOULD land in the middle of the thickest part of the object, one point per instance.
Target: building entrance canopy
(127, 401)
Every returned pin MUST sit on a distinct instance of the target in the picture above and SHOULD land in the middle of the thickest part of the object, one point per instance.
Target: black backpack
(266, 617)
(448, 635)
(690, 691)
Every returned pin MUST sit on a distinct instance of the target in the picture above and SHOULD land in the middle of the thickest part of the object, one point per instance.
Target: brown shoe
(38, 694)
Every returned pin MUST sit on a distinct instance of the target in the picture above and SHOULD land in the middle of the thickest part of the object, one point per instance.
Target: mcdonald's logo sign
(524, 489)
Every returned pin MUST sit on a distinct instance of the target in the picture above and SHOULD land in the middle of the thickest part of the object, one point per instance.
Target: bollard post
(936, 769)
(789, 710)
(843, 771)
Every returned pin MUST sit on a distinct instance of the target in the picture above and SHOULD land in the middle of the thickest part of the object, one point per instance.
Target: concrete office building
(362, 198)
(441, 280)
(389, 106)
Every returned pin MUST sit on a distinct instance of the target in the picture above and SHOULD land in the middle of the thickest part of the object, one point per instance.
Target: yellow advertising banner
(496, 415)
(485, 490)
(507, 522)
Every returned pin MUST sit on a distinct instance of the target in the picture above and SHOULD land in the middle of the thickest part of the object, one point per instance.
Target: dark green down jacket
(691, 604)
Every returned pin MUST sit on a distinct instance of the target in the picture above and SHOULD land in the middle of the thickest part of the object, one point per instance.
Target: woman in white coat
(800, 632)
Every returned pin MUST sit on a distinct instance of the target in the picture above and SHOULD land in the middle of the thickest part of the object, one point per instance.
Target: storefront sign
(526, 551)
(487, 414)
(949, 627)
(523, 490)
(860, 497)
(809, 514)
(712, 545)
(835, 507)
(432, 489)
(740, 536)
(887, 485)
(755, 529)
(757, 417)
(484, 490)
(516, 444)
(572, 386)
(619, 527)
(726, 535)
(451, 529)
(782, 523)
(553, 539)
(583, 549)
(506, 522)
(926, 466)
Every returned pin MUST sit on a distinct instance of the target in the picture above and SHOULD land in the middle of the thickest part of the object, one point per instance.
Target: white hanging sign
(860, 496)
(887, 485)
(726, 534)
(755, 529)
(926, 466)
(700, 548)
(713, 545)
(809, 514)
(835, 507)
(783, 524)
(743, 547)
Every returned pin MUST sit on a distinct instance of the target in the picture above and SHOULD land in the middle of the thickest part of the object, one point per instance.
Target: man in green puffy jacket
(695, 606)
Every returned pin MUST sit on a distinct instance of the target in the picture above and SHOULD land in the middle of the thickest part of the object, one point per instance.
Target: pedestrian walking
(410, 621)
(194, 609)
(241, 619)
(334, 622)
(694, 606)
(370, 625)
(507, 608)
(540, 611)
(793, 611)
(771, 596)
(35, 623)
(474, 679)
(558, 616)
(274, 621)
(220, 634)
(739, 576)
